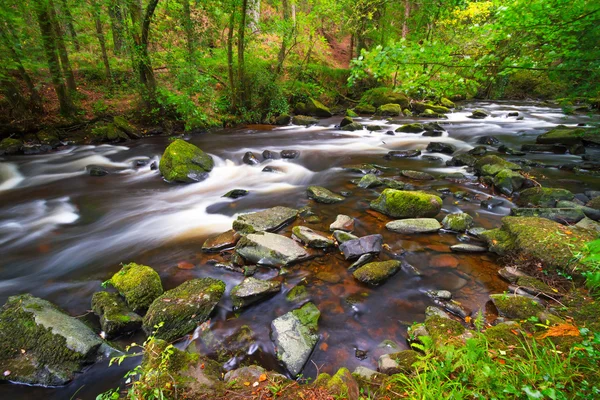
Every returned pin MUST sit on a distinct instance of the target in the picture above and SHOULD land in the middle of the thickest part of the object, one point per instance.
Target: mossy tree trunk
(101, 39)
(62, 48)
(68, 19)
(241, 50)
(230, 57)
(288, 32)
(115, 12)
(188, 28)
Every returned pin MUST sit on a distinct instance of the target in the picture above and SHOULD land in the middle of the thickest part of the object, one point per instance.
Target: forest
(299, 199)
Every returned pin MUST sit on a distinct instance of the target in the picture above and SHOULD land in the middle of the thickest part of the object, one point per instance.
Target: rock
(354, 126)
(588, 224)
(462, 159)
(535, 287)
(250, 159)
(458, 222)
(353, 249)
(346, 121)
(375, 273)
(491, 203)
(342, 223)
(594, 203)
(297, 294)
(374, 128)
(366, 373)
(479, 114)
(115, 317)
(153, 166)
(541, 239)
(362, 260)
(269, 220)
(252, 373)
(40, 344)
(323, 195)
(270, 249)
(183, 308)
(508, 181)
(138, 284)
(236, 193)
(432, 158)
(491, 165)
(426, 108)
(577, 149)
(414, 225)
(304, 120)
(49, 137)
(222, 241)
(10, 146)
(398, 363)
(515, 307)
(542, 197)
(478, 151)
(389, 110)
(403, 154)
(511, 274)
(447, 103)
(407, 204)
(253, 290)
(365, 109)
(370, 180)
(439, 294)
(452, 307)
(417, 175)
(295, 336)
(380, 96)
(411, 128)
(468, 248)
(341, 236)
(289, 154)
(315, 108)
(436, 312)
(569, 136)
(184, 162)
(489, 141)
(440, 147)
(351, 114)
(283, 119)
(312, 238)
(274, 170)
(561, 215)
(507, 150)
(269, 155)
(544, 148)
(96, 170)
(107, 132)
(123, 125)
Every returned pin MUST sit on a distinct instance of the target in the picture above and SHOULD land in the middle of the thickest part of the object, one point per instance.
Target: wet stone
(272, 170)
(362, 260)
(510, 274)
(96, 170)
(375, 273)
(353, 249)
(323, 195)
(403, 153)
(250, 159)
(290, 154)
(115, 317)
(342, 223)
(414, 225)
(268, 220)
(468, 248)
(489, 141)
(417, 175)
(269, 155)
(236, 193)
(311, 238)
(492, 203)
(252, 290)
(342, 236)
(270, 249)
(439, 294)
(478, 151)
(440, 147)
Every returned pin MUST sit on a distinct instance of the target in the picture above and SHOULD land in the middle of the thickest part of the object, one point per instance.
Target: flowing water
(63, 232)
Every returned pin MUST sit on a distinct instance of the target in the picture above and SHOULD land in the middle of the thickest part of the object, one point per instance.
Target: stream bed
(64, 232)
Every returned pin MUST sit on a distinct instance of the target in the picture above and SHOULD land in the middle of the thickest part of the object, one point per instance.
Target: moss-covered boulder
(252, 290)
(270, 249)
(40, 344)
(49, 137)
(184, 162)
(138, 284)
(269, 220)
(389, 110)
(375, 273)
(350, 113)
(283, 119)
(421, 108)
(342, 385)
(458, 222)
(181, 309)
(10, 146)
(346, 121)
(407, 204)
(115, 317)
(304, 120)
(323, 195)
(508, 181)
(411, 128)
(416, 175)
(398, 363)
(123, 125)
(515, 306)
(447, 103)
(316, 108)
(365, 109)
(570, 136)
(479, 114)
(379, 96)
(108, 133)
(542, 197)
(295, 334)
(540, 239)
(594, 203)
(443, 330)
(354, 126)
(491, 165)
(561, 215)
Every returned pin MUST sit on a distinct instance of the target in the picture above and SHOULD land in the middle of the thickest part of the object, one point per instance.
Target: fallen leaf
(468, 319)
(202, 366)
(324, 346)
(561, 330)
(246, 383)
(262, 378)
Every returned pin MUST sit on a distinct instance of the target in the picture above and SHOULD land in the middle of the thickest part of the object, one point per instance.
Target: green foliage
(590, 258)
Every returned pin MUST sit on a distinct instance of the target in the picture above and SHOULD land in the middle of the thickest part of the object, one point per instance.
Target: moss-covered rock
(443, 330)
(123, 125)
(375, 273)
(389, 110)
(323, 195)
(298, 294)
(365, 109)
(49, 137)
(421, 108)
(350, 113)
(346, 121)
(561, 215)
(139, 284)
(491, 165)
(594, 203)
(283, 119)
(304, 120)
(269, 220)
(447, 103)
(181, 309)
(401, 362)
(542, 197)
(458, 222)
(508, 181)
(417, 175)
(354, 126)
(504, 335)
(414, 225)
(270, 249)
(40, 344)
(10, 146)
(312, 238)
(108, 133)
(184, 162)
(252, 290)
(570, 136)
(515, 306)
(379, 96)
(343, 385)
(411, 128)
(115, 317)
(407, 204)
(316, 108)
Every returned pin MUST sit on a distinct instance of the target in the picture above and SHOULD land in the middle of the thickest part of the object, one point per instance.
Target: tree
(95, 8)
(116, 21)
(62, 48)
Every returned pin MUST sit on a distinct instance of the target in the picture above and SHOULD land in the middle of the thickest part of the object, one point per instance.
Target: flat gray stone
(269, 220)
(252, 290)
(312, 238)
(270, 249)
(342, 223)
(468, 248)
(353, 249)
(414, 225)
(323, 195)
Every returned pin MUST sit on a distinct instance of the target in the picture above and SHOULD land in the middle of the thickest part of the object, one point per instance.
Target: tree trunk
(188, 28)
(286, 35)
(116, 22)
(254, 15)
(10, 90)
(140, 32)
(62, 48)
(101, 39)
(69, 24)
(49, 42)
(406, 17)
(230, 58)
(241, 50)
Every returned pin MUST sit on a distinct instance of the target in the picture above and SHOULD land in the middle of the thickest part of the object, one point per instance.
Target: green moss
(351, 114)
(530, 282)
(514, 306)
(115, 317)
(447, 103)
(342, 384)
(123, 125)
(407, 204)
(108, 132)
(491, 165)
(565, 135)
(405, 359)
(594, 203)
(48, 137)
(503, 335)
(543, 197)
(458, 222)
(411, 128)
(379, 96)
(297, 294)
(391, 110)
(184, 162)
(443, 330)
(508, 181)
(365, 109)
(139, 284)
(498, 241)
(10, 146)
(155, 358)
(377, 272)
(425, 108)
(308, 315)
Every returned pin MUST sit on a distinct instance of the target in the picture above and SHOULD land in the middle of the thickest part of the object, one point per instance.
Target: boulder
(375, 273)
(10, 146)
(115, 317)
(289, 154)
(252, 290)
(269, 220)
(354, 248)
(236, 193)
(342, 223)
(370, 181)
(374, 128)
(542, 197)
(295, 335)
(380, 96)
(341, 236)
(479, 114)
(250, 159)
(440, 147)
(124, 125)
(462, 159)
(269, 155)
(270, 249)
(491, 165)
(411, 128)
(40, 344)
(222, 241)
(489, 141)
(184, 162)
(362, 260)
(323, 195)
(346, 121)
(96, 170)
(403, 154)
(312, 238)
(423, 108)
(354, 126)
(389, 110)
(313, 108)
(414, 225)
(508, 181)
(108, 132)
(417, 175)
(515, 306)
(138, 284)
(398, 363)
(351, 114)
(407, 204)
(365, 109)
(544, 148)
(570, 136)
(560, 215)
(49, 137)
(447, 103)
(458, 222)
(283, 120)
(181, 309)
(478, 151)
(304, 120)
(342, 385)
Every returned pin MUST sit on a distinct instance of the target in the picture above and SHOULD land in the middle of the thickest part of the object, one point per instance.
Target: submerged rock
(253, 290)
(468, 248)
(323, 195)
(96, 170)
(560, 215)
(440, 147)
(411, 128)
(353, 249)
(414, 225)
(221, 241)
(362, 260)
(458, 222)
(269, 220)
(407, 204)
(403, 154)
(115, 317)
(184, 162)
(375, 273)
(295, 335)
(342, 223)
(479, 114)
(354, 126)
(417, 175)
(311, 238)
(341, 236)
(270, 249)
(183, 308)
(40, 344)
(138, 284)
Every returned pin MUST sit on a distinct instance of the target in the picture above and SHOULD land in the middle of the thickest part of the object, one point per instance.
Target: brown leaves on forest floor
(561, 330)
